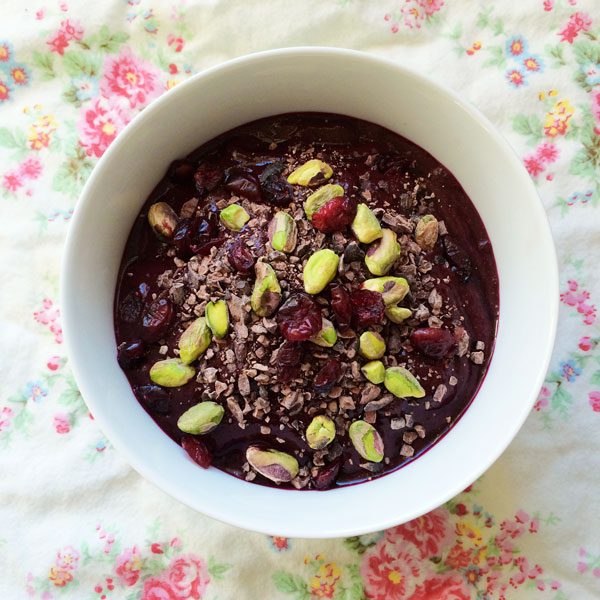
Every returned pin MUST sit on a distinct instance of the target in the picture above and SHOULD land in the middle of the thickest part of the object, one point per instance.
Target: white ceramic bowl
(363, 86)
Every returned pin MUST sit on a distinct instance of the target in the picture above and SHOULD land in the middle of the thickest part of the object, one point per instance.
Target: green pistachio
(371, 345)
(327, 336)
(234, 217)
(426, 232)
(374, 371)
(397, 314)
(194, 340)
(402, 383)
(320, 269)
(217, 318)
(381, 256)
(283, 232)
(266, 295)
(366, 226)
(312, 172)
(320, 432)
(162, 219)
(201, 419)
(321, 197)
(171, 372)
(273, 464)
(392, 289)
(366, 440)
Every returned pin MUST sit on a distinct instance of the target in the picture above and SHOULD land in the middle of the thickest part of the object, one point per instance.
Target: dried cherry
(131, 353)
(130, 308)
(299, 318)
(197, 450)
(328, 376)
(340, 304)
(207, 178)
(243, 182)
(290, 354)
(336, 215)
(327, 475)
(367, 308)
(156, 319)
(154, 397)
(433, 342)
(240, 257)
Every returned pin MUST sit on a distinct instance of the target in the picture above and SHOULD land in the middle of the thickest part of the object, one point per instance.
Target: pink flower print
(6, 415)
(547, 152)
(50, 315)
(594, 400)
(596, 108)
(67, 558)
(522, 516)
(99, 125)
(71, 29)
(548, 5)
(62, 423)
(176, 43)
(389, 573)
(542, 401)
(39, 14)
(156, 588)
(128, 566)
(533, 165)
(577, 22)
(188, 577)
(582, 567)
(12, 181)
(30, 168)
(132, 78)
(444, 587)
(586, 344)
(431, 6)
(58, 43)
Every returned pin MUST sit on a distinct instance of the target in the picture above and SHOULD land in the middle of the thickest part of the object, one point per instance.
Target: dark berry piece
(336, 215)
(367, 308)
(340, 304)
(240, 257)
(157, 318)
(182, 238)
(181, 171)
(130, 308)
(207, 178)
(328, 376)
(131, 353)
(154, 397)
(197, 450)
(205, 233)
(327, 475)
(244, 183)
(299, 318)
(458, 258)
(433, 342)
(290, 354)
(275, 190)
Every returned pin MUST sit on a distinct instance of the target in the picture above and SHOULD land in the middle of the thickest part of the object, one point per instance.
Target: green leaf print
(355, 591)
(110, 42)
(496, 58)
(529, 126)
(217, 570)
(291, 584)
(44, 62)
(595, 380)
(78, 63)
(15, 140)
(72, 174)
(556, 52)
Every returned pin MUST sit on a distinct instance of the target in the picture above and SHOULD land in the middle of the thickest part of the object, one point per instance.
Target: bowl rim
(70, 324)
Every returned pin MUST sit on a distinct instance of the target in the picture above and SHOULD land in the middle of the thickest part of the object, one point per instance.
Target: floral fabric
(76, 521)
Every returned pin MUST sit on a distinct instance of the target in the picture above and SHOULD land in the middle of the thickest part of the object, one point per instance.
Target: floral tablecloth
(75, 520)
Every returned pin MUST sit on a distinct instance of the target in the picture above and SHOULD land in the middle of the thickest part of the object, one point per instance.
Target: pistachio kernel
(392, 289)
(371, 345)
(171, 372)
(366, 440)
(381, 256)
(426, 232)
(312, 172)
(162, 219)
(397, 314)
(266, 294)
(374, 371)
(402, 383)
(320, 270)
(320, 432)
(366, 226)
(234, 217)
(194, 340)
(201, 418)
(327, 336)
(321, 197)
(272, 464)
(217, 318)
(283, 232)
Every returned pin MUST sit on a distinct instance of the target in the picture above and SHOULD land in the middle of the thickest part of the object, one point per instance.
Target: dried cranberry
(130, 353)
(434, 342)
(340, 304)
(154, 397)
(275, 190)
(197, 450)
(240, 257)
(367, 308)
(157, 318)
(130, 308)
(327, 475)
(244, 183)
(336, 215)
(299, 318)
(205, 233)
(328, 376)
(207, 178)
(290, 354)
(457, 257)
(180, 171)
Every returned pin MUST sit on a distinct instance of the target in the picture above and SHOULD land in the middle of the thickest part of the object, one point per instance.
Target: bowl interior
(327, 80)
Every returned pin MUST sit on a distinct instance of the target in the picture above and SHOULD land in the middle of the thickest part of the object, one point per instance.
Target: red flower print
(99, 124)
(156, 588)
(461, 509)
(128, 566)
(547, 152)
(6, 415)
(548, 5)
(4, 91)
(19, 75)
(71, 29)
(30, 168)
(156, 548)
(61, 423)
(12, 182)
(132, 78)
(586, 344)
(280, 543)
(533, 165)
(532, 63)
(446, 587)
(431, 6)
(458, 557)
(429, 533)
(176, 43)
(389, 575)
(577, 22)
(188, 577)
(5, 53)
(515, 77)
(594, 400)
(58, 42)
